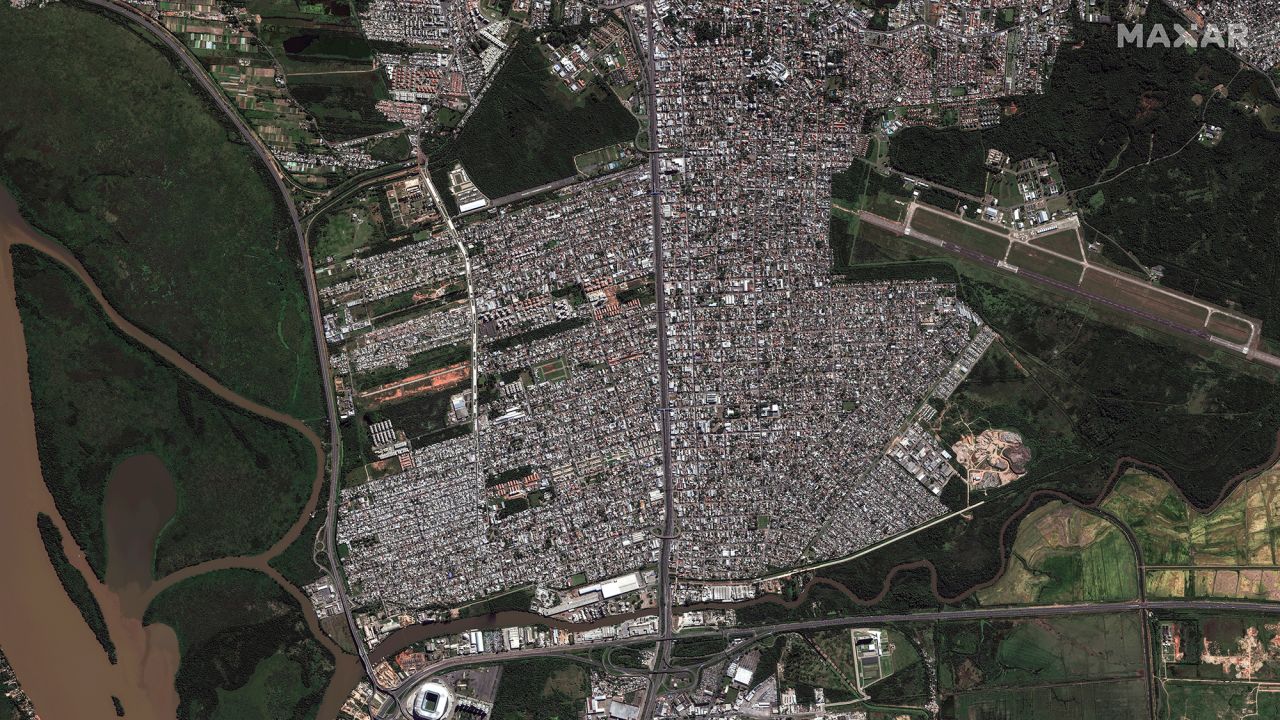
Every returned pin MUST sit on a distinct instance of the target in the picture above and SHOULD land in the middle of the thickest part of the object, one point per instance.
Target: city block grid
(792, 392)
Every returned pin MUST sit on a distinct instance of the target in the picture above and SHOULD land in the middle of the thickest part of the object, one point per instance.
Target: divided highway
(308, 273)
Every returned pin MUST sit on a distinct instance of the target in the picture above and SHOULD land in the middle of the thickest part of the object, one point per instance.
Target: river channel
(51, 649)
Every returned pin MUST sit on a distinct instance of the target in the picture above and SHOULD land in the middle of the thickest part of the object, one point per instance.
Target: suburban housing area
(671, 359)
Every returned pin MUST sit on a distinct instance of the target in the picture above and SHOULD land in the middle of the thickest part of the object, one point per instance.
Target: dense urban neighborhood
(619, 360)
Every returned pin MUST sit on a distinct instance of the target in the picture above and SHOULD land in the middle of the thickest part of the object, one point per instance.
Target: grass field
(836, 646)
(630, 656)
(991, 655)
(1065, 554)
(1082, 394)
(1203, 213)
(246, 651)
(952, 229)
(1216, 701)
(1144, 297)
(1219, 647)
(541, 689)
(1228, 327)
(328, 63)
(804, 668)
(1119, 698)
(909, 682)
(343, 231)
(529, 127)
(697, 646)
(1031, 258)
(241, 480)
(1065, 242)
(175, 220)
(420, 415)
(1129, 299)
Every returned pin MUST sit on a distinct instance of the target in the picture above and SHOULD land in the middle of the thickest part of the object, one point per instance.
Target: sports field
(595, 162)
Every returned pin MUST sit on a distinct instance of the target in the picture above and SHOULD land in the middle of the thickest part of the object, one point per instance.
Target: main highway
(665, 610)
(665, 633)
(755, 634)
(278, 174)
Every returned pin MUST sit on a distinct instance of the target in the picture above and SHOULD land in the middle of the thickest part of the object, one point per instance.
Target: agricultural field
(541, 689)
(1082, 394)
(246, 71)
(529, 126)
(241, 480)
(193, 245)
(1064, 554)
(245, 648)
(1228, 553)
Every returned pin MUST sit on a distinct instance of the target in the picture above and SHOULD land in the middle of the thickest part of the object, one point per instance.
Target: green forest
(1204, 212)
(148, 184)
(246, 650)
(99, 398)
(529, 126)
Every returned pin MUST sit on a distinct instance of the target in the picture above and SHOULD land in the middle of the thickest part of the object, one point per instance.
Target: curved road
(277, 173)
(756, 634)
(665, 615)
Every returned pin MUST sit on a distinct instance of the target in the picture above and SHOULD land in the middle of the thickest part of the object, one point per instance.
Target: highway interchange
(745, 636)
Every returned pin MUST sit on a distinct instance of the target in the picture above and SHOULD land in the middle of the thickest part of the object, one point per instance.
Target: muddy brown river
(51, 649)
(140, 499)
(48, 644)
